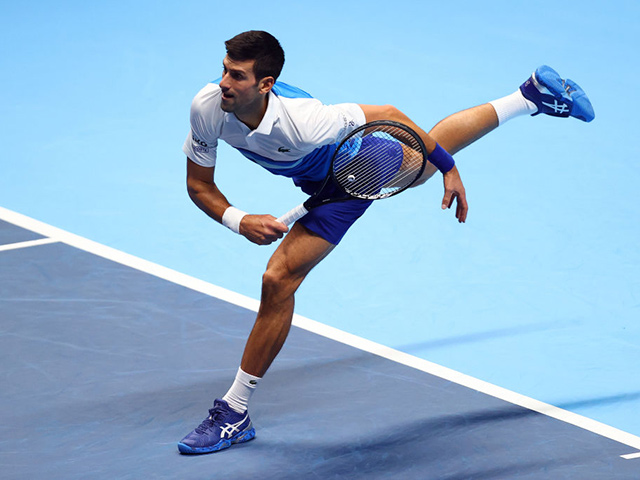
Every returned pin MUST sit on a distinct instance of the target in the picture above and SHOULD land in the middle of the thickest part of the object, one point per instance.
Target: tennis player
(286, 131)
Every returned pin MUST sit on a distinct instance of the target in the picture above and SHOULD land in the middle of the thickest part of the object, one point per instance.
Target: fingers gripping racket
(377, 160)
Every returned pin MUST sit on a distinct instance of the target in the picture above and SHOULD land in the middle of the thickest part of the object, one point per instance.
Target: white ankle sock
(240, 392)
(513, 106)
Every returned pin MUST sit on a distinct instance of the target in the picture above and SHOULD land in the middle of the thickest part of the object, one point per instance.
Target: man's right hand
(262, 229)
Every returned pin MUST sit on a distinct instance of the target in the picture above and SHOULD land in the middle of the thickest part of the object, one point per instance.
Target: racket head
(378, 159)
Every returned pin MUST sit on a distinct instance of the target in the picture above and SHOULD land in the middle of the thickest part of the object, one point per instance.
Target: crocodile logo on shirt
(284, 150)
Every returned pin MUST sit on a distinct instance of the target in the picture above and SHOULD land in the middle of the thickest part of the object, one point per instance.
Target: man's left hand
(454, 190)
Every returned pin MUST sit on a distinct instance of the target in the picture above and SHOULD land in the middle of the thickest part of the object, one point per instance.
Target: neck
(253, 115)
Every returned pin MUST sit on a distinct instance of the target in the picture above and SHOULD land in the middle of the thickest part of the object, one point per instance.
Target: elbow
(193, 194)
(193, 189)
(190, 187)
(382, 112)
(391, 113)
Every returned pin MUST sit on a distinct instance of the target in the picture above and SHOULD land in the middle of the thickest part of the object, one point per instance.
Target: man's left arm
(453, 186)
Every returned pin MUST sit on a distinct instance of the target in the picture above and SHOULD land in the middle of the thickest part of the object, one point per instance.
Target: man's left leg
(299, 252)
(228, 421)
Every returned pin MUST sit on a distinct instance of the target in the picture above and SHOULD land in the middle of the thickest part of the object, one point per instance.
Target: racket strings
(382, 161)
(368, 174)
(374, 175)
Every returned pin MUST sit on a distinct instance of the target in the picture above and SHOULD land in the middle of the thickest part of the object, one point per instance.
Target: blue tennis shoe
(555, 96)
(221, 429)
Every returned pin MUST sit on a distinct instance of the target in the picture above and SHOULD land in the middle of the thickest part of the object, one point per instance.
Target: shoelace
(209, 422)
(567, 87)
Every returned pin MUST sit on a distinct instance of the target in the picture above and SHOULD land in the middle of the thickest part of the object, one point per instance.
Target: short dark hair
(260, 46)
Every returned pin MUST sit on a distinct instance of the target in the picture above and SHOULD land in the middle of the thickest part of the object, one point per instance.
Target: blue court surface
(105, 366)
(507, 347)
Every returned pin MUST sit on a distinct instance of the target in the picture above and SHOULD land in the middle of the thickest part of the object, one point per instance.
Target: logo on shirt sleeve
(199, 145)
(348, 123)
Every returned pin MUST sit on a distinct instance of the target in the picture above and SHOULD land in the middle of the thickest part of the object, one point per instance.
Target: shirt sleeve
(331, 123)
(202, 142)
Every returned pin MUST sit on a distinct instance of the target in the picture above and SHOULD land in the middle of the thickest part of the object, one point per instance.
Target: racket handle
(293, 215)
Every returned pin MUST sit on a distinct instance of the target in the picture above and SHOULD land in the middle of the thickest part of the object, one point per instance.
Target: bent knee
(278, 279)
(273, 278)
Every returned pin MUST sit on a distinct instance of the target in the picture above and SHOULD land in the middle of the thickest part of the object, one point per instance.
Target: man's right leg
(535, 96)
(544, 92)
(461, 129)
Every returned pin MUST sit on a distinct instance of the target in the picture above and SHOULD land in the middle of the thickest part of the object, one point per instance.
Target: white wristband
(232, 217)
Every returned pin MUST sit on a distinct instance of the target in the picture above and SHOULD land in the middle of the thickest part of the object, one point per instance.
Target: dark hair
(260, 46)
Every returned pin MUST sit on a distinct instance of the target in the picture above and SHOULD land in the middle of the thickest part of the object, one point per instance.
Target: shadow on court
(486, 335)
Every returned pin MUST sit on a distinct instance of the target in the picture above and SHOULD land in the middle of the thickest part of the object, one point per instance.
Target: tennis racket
(377, 160)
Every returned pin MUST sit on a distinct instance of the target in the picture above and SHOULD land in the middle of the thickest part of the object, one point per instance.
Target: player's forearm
(208, 198)
(438, 157)
(428, 140)
(389, 112)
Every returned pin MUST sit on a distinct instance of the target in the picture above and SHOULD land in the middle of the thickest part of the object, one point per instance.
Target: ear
(266, 84)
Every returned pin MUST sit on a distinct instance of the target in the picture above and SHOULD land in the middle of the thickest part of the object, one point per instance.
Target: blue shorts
(332, 220)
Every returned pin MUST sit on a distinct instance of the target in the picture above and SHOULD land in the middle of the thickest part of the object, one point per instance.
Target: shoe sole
(242, 437)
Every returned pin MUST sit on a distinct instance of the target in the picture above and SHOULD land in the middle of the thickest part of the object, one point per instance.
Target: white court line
(30, 243)
(325, 330)
(631, 456)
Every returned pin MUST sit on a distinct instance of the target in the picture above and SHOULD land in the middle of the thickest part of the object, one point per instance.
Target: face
(241, 92)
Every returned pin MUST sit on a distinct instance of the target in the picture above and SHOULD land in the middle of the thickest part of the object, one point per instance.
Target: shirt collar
(270, 116)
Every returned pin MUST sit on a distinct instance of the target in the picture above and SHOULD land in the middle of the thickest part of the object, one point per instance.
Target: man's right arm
(259, 229)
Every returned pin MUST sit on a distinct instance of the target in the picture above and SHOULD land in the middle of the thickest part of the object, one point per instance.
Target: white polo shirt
(295, 138)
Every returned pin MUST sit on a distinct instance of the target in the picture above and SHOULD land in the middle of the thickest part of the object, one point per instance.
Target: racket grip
(293, 215)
